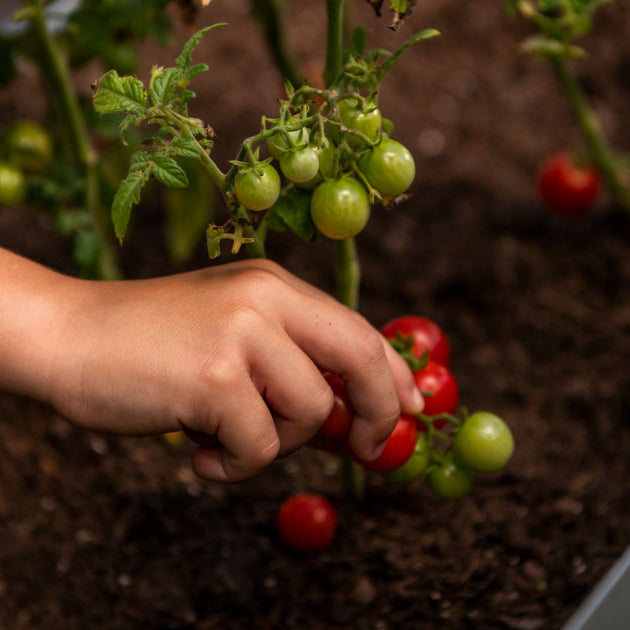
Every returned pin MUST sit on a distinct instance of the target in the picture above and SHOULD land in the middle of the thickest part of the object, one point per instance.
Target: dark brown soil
(117, 533)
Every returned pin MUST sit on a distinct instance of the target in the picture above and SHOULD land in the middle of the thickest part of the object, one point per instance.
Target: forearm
(34, 301)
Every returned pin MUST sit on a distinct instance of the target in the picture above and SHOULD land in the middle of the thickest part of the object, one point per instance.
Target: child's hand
(234, 350)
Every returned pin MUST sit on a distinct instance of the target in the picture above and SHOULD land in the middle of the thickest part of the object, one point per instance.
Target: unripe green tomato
(29, 146)
(389, 167)
(449, 480)
(326, 159)
(365, 119)
(340, 208)
(12, 185)
(300, 166)
(484, 443)
(278, 143)
(415, 466)
(259, 188)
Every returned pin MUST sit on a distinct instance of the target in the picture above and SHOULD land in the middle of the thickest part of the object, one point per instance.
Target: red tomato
(439, 380)
(398, 448)
(427, 335)
(332, 435)
(307, 522)
(567, 189)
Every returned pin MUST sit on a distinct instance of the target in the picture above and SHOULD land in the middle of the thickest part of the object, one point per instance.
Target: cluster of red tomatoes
(27, 148)
(341, 155)
(436, 444)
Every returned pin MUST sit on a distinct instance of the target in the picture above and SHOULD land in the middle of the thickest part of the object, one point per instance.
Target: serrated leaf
(193, 71)
(183, 61)
(184, 147)
(119, 94)
(163, 82)
(167, 171)
(127, 195)
(140, 160)
(293, 211)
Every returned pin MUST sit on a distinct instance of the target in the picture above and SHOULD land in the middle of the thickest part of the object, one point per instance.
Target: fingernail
(418, 400)
(378, 451)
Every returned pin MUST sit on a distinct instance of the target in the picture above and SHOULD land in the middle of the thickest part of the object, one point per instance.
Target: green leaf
(127, 195)
(119, 94)
(193, 71)
(184, 147)
(163, 83)
(169, 172)
(293, 211)
(427, 33)
(183, 61)
(188, 212)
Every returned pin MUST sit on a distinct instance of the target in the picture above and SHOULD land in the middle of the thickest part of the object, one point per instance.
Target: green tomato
(340, 208)
(29, 146)
(300, 166)
(257, 188)
(450, 481)
(366, 119)
(278, 143)
(484, 443)
(12, 185)
(415, 467)
(388, 167)
(326, 159)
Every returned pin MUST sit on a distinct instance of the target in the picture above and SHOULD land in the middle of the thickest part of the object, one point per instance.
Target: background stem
(334, 41)
(596, 142)
(55, 67)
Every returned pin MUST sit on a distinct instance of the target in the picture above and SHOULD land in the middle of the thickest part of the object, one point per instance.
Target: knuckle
(372, 348)
(260, 282)
(255, 461)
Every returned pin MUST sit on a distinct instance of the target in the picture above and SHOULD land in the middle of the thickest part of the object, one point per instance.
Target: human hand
(234, 351)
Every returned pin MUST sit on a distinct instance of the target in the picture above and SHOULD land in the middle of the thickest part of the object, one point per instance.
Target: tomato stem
(54, 64)
(334, 41)
(597, 144)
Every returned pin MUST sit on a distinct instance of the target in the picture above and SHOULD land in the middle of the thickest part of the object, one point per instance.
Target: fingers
(411, 401)
(245, 428)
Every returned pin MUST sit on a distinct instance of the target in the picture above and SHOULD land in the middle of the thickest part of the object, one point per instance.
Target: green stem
(269, 12)
(599, 149)
(58, 73)
(334, 41)
(347, 273)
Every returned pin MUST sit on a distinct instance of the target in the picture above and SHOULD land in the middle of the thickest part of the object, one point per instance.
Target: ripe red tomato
(566, 188)
(307, 522)
(333, 434)
(427, 335)
(399, 447)
(439, 380)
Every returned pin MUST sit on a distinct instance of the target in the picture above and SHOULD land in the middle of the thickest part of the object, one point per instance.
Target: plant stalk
(599, 149)
(56, 67)
(334, 41)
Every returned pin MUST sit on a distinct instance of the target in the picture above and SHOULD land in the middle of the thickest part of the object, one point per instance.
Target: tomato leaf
(127, 195)
(183, 61)
(119, 94)
(292, 210)
(167, 171)
(184, 147)
(162, 85)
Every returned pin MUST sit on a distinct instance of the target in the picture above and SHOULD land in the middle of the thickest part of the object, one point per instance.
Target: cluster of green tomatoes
(342, 154)
(26, 149)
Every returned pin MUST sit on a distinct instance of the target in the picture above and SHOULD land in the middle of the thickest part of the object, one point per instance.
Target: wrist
(34, 303)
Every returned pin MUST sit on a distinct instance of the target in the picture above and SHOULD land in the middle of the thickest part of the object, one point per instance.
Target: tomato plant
(389, 167)
(449, 480)
(426, 336)
(566, 188)
(12, 185)
(484, 443)
(399, 447)
(415, 466)
(301, 165)
(29, 146)
(440, 384)
(362, 117)
(257, 187)
(340, 208)
(307, 522)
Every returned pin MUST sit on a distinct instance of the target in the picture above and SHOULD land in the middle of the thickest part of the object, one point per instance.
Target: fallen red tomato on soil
(426, 334)
(307, 522)
(566, 188)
